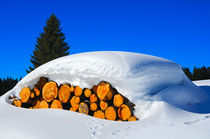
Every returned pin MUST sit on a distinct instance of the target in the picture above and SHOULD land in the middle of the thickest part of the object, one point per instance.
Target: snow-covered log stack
(101, 101)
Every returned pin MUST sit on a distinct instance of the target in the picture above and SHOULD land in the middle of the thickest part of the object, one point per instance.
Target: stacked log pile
(101, 101)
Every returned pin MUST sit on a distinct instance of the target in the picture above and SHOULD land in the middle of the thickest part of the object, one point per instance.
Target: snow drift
(136, 76)
(159, 88)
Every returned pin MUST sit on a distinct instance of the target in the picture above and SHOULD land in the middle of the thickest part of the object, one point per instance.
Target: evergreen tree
(208, 70)
(50, 45)
(188, 73)
(7, 84)
(196, 74)
(204, 73)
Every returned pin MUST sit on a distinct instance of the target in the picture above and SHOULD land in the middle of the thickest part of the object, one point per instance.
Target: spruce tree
(208, 70)
(205, 74)
(187, 73)
(6, 84)
(50, 44)
(196, 74)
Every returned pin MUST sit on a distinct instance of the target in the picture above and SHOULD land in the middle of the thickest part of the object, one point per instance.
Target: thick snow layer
(202, 82)
(192, 99)
(136, 76)
(168, 104)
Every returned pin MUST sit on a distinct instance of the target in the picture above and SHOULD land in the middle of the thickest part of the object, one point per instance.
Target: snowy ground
(168, 104)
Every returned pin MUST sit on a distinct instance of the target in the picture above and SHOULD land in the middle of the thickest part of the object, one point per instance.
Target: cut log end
(37, 92)
(124, 112)
(32, 95)
(99, 114)
(103, 105)
(50, 91)
(87, 93)
(93, 98)
(104, 91)
(77, 91)
(110, 113)
(19, 103)
(132, 118)
(72, 89)
(43, 105)
(25, 94)
(83, 108)
(118, 100)
(64, 93)
(93, 106)
(75, 102)
(14, 102)
(56, 104)
(72, 109)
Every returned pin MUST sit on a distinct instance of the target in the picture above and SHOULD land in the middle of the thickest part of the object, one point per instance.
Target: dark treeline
(198, 73)
(6, 84)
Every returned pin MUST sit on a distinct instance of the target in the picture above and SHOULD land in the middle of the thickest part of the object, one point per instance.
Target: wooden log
(110, 113)
(99, 114)
(93, 106)
(25, 94)
(75, 102)
(50, 91)
(104, 91)
(83, 108)
(118, 100)
(35, 104)
(93, 98)
(132, 118)
(56, 104)
(37, 91)
(72, 109)
(42, 81)
(12, 96)
(64, 93)
(103, 105)
(124, 112)
(32, 96)
(14, 102)
(72, 89)
(87, 93)
(77, 91)
(95, 89)
(43, 104)
(18, 103)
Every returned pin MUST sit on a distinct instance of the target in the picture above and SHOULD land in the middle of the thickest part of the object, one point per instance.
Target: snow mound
(165, 99)
(192, 99)
(136, 76)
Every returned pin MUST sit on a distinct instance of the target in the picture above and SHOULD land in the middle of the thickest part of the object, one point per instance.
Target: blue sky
(177, 30)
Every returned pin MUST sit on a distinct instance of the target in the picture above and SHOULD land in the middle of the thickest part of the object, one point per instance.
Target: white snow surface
(168, 104)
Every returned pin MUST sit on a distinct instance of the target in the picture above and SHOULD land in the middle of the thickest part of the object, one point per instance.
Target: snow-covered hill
(168, 104)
